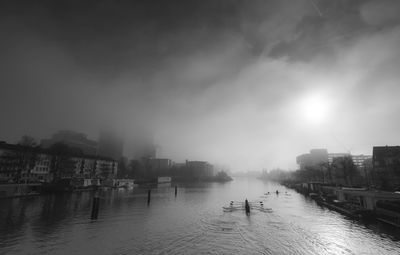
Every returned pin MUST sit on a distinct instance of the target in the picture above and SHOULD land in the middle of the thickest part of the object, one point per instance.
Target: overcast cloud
(222, 81)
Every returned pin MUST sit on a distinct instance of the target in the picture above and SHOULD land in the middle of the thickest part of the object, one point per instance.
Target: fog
(231, 82)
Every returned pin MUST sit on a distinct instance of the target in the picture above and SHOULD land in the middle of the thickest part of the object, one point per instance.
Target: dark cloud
(381, 13)
(218, 80)
(334, 24)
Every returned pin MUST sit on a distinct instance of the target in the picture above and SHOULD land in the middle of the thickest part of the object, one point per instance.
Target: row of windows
(7, 175)
(32, 175)
(43, 162)
(41, 169)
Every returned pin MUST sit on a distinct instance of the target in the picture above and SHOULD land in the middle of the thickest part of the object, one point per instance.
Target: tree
(222, 176)
(344, 168)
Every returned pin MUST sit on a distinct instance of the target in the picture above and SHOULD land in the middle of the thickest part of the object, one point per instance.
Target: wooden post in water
(247, 207)
(176, 190)
(148, 196)
(95, 208)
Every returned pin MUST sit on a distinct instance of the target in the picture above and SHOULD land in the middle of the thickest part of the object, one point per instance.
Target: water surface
(191, 223)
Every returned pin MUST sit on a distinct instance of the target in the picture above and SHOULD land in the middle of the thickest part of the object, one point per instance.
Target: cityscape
(69, 160)
(199, 127)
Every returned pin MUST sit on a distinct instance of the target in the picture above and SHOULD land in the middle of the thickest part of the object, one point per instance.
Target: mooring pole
(95, 205)
(95, 208)
(148, 196)
(176, 190)
(247, 207)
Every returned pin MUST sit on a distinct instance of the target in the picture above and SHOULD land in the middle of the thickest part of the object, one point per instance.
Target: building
(73, 140)
(304, 160)
(9, 166)
(363, 164)
(159, 163)
(110, 145)
(199, 169)
(23, 163)
(316, 157)
(360, 160)
(106, 168)
(331, 156)
(30, 164)
(386, 167)
(41, 170)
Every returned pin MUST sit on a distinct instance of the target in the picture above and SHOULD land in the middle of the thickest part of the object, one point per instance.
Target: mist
(221, 81)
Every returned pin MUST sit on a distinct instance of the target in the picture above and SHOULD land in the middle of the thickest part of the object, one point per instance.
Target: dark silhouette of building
(386, 167)
(312, 159)
(73, 140)
(199, 169)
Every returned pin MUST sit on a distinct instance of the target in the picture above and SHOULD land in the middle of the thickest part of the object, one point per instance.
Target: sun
(315, 108)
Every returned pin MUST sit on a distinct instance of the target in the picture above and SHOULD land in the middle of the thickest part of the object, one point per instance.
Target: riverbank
(12, 190)
(357, 203)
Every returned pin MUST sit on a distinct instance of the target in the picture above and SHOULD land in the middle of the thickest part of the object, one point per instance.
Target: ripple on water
(191, 223)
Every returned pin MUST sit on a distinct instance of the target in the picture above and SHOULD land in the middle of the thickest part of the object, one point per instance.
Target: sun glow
(315, 108)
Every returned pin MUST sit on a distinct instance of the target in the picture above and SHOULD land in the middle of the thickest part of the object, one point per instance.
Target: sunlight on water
(191, 223)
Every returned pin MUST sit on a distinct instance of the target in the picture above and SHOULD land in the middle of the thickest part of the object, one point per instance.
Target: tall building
(71, 139)
(386, 167)
(314, 158)
(110, 145)
(360, 160)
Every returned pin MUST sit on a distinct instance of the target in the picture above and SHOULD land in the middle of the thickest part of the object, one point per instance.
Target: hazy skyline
(251, 84)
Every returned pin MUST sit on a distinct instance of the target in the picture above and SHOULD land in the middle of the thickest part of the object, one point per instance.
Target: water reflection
(191, 223)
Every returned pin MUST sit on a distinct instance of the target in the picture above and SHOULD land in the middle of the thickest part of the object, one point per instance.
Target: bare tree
(344, 168)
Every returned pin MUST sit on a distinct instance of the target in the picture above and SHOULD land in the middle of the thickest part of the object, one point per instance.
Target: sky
(249, 84)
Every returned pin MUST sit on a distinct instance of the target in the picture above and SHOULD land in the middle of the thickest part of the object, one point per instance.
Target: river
(191, 223)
